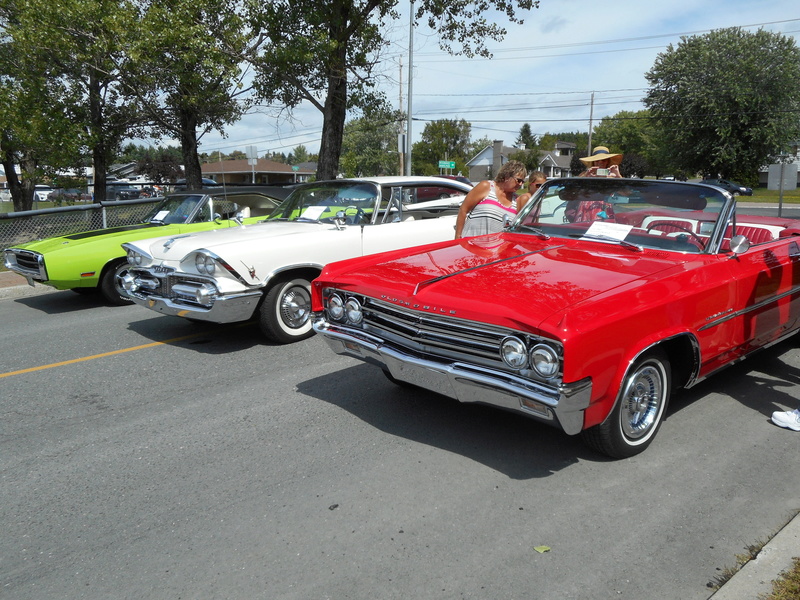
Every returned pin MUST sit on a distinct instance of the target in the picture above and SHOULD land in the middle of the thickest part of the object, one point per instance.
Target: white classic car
(265, 269)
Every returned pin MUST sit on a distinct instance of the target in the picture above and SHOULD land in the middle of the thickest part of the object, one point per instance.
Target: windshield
(642, 213)
(322, 201)
(180, 209)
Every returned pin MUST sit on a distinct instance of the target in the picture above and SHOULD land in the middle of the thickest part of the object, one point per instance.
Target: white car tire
(285, 313)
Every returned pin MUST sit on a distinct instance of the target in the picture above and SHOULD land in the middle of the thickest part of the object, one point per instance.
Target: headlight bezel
(205, 264)
(335, 307)
(354, 311)
(514, 352)
(544, 360)
(135, 259)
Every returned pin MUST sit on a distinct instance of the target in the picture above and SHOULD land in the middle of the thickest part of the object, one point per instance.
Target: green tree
(526, 138)
(726, 101)
(369, 145)
(76, 67)
(327, 53)
(631, 134)
(627, 132)
(445, 139)
(299, 155)
(189, 75)
(160, 166)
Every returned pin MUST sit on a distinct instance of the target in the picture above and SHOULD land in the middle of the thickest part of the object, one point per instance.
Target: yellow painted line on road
(103, 355)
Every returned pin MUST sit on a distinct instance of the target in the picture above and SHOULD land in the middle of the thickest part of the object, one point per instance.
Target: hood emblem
(171, 240)
(251, 270)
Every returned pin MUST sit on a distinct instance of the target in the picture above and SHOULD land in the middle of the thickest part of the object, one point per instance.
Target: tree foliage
(526, 138)
(160, 166)
(369, 146)
(445, 139)
(727, 100)
(75, 67)
(327, 53)
(189, 76)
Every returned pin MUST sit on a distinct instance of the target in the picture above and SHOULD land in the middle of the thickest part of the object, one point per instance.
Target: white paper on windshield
(161, 215)
(615, 231)
(313, 212)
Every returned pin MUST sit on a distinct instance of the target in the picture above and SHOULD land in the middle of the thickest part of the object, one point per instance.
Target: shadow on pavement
(56, 302)
(520, 448)
(207, 338)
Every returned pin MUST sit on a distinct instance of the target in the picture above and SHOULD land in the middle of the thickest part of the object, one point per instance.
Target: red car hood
(504, 279)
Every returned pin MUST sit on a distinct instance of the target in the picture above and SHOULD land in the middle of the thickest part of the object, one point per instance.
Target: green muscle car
(95, 260)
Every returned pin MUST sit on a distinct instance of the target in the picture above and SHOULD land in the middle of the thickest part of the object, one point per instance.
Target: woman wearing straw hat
(601, 163)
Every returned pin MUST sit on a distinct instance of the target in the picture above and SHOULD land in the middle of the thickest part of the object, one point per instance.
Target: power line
(616, 41)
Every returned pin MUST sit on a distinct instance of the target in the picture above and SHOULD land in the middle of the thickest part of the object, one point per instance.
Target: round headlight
(353, 310)
(205, 264)
(134, 258)
(514, 352)
(544, 360)
(336, 307)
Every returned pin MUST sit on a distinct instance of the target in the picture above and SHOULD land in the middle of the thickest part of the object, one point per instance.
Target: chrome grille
(429, 332)
(425, 334)
(163, 286)
(26, 263)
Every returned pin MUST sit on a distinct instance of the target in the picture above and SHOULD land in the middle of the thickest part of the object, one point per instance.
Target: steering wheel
(694, 236)
(359, 217)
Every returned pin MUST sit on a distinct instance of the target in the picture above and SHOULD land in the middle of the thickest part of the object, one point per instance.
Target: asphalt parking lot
(144, 457)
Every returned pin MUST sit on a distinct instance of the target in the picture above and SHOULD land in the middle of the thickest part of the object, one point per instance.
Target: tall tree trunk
(21, 197)
(98, 140)
(188, 137)
(333, 115)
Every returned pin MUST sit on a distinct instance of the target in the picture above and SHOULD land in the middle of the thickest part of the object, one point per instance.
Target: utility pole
(402, 146)
(591, 114)
(410, 79)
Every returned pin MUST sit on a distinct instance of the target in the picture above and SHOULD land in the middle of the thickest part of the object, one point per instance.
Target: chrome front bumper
(226, 309)
(465, 382)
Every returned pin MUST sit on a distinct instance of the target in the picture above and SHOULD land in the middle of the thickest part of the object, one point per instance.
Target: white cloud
(543, 73)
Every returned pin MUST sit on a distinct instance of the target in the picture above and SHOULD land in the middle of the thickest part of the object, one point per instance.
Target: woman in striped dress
(489, 202)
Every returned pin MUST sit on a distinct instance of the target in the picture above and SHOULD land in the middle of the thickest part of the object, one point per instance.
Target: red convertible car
(600, 299)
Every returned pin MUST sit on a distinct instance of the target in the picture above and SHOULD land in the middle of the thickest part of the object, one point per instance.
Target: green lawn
(765, 195)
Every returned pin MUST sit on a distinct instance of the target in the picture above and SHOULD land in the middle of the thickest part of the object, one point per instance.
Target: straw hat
(601, 153)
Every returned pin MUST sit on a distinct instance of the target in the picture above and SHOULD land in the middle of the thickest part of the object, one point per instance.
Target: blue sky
(543, 73)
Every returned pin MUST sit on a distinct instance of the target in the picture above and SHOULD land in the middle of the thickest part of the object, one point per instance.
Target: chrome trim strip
(735, 361)
(748, 309)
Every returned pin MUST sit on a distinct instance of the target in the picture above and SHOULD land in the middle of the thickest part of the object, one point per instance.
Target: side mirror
(739, 244)
(340, 220)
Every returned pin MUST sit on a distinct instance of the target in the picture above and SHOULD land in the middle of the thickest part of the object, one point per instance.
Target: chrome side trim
(757, 306)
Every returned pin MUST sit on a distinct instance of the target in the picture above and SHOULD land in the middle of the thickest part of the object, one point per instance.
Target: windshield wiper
(608, 238)
(534, 230)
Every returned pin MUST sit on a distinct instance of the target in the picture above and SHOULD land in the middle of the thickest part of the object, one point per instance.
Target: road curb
(754, 580)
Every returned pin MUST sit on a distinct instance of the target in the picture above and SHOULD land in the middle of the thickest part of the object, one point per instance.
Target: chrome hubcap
(295, 307)
(642, 401)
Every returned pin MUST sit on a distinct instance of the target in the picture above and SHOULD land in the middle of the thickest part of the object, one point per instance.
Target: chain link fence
(20, 227)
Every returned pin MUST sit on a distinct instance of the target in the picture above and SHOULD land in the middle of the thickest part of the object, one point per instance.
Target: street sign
(782, 176)
(447, 164)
